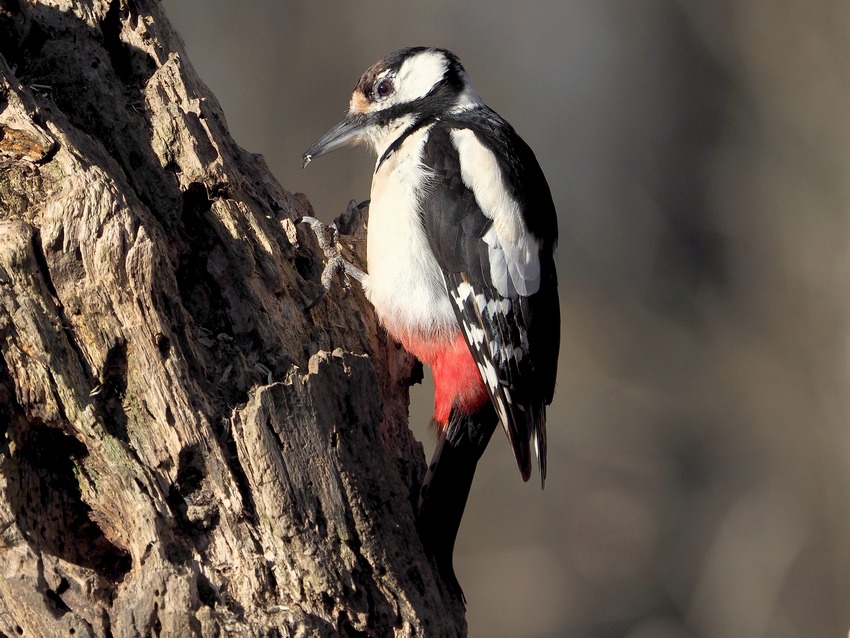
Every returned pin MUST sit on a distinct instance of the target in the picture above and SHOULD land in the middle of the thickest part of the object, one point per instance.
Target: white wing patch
(512, 251)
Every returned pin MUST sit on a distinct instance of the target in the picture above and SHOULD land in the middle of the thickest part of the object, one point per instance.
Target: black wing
(514, 338)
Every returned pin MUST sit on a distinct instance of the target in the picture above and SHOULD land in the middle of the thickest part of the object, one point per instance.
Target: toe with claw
(327, 236)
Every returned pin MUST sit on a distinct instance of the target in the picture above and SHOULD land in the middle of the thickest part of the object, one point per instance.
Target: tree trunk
(186, 450)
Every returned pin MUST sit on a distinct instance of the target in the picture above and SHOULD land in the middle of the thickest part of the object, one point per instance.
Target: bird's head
(405, 87)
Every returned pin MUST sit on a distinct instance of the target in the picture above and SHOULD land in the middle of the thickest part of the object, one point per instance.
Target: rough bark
(186, 449)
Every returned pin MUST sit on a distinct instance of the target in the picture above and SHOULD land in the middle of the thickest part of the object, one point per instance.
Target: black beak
(348, 131)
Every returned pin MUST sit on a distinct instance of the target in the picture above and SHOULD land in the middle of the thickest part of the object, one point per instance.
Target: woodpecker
(460, 267)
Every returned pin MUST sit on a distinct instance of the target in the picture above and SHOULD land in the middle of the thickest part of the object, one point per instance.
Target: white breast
(405, 282)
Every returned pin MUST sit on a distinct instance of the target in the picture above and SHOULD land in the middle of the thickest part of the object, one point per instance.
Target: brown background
(698, 153)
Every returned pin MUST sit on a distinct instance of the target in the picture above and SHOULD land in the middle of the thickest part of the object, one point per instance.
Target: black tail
(446, 486)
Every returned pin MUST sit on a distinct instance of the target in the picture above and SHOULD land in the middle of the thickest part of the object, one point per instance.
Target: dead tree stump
(186, 450)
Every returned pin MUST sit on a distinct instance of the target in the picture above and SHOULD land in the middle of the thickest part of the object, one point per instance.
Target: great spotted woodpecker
(460, 242)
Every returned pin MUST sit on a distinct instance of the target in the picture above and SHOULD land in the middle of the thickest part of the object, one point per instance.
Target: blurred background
(699, 156)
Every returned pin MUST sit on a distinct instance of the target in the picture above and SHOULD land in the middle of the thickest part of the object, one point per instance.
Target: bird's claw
(327, 236)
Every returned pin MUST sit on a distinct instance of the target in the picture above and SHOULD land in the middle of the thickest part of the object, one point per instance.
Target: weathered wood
(186, 449)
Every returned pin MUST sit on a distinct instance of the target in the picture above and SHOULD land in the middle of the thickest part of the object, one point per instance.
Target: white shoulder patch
(512, 251)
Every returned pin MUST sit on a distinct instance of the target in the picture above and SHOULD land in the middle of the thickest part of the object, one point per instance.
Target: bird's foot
(328, 236)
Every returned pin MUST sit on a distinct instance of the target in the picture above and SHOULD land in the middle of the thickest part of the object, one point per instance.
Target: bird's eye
(383, 90)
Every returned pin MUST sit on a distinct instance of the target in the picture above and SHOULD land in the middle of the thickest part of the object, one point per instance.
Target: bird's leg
(328, 236)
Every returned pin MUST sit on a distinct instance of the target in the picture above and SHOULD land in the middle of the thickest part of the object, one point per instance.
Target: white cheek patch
(418, 75)
(512, 251)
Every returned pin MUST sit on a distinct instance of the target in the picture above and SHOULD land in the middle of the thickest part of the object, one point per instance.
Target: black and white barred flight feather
(503, 287)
